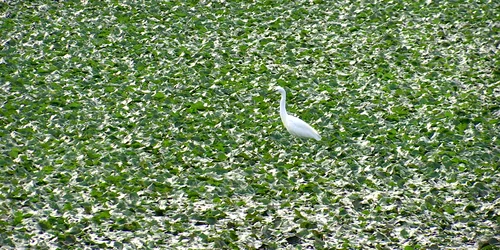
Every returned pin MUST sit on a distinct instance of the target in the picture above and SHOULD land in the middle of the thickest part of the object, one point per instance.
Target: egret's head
(280, 90)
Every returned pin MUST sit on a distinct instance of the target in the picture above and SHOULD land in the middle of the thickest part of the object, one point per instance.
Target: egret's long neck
(283, 113)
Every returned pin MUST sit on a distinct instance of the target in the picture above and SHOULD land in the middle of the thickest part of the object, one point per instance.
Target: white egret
(294, 125)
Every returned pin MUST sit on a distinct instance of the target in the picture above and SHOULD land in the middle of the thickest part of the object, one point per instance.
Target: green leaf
(14, 152)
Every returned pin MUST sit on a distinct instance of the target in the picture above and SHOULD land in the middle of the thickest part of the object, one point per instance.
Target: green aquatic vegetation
(156, 124)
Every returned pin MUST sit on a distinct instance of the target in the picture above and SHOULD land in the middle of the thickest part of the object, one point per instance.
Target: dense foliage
(155, 124)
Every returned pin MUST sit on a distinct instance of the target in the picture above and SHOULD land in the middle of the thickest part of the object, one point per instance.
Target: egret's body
(294, 125)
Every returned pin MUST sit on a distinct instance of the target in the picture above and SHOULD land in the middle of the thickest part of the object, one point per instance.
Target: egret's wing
(300, 128)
